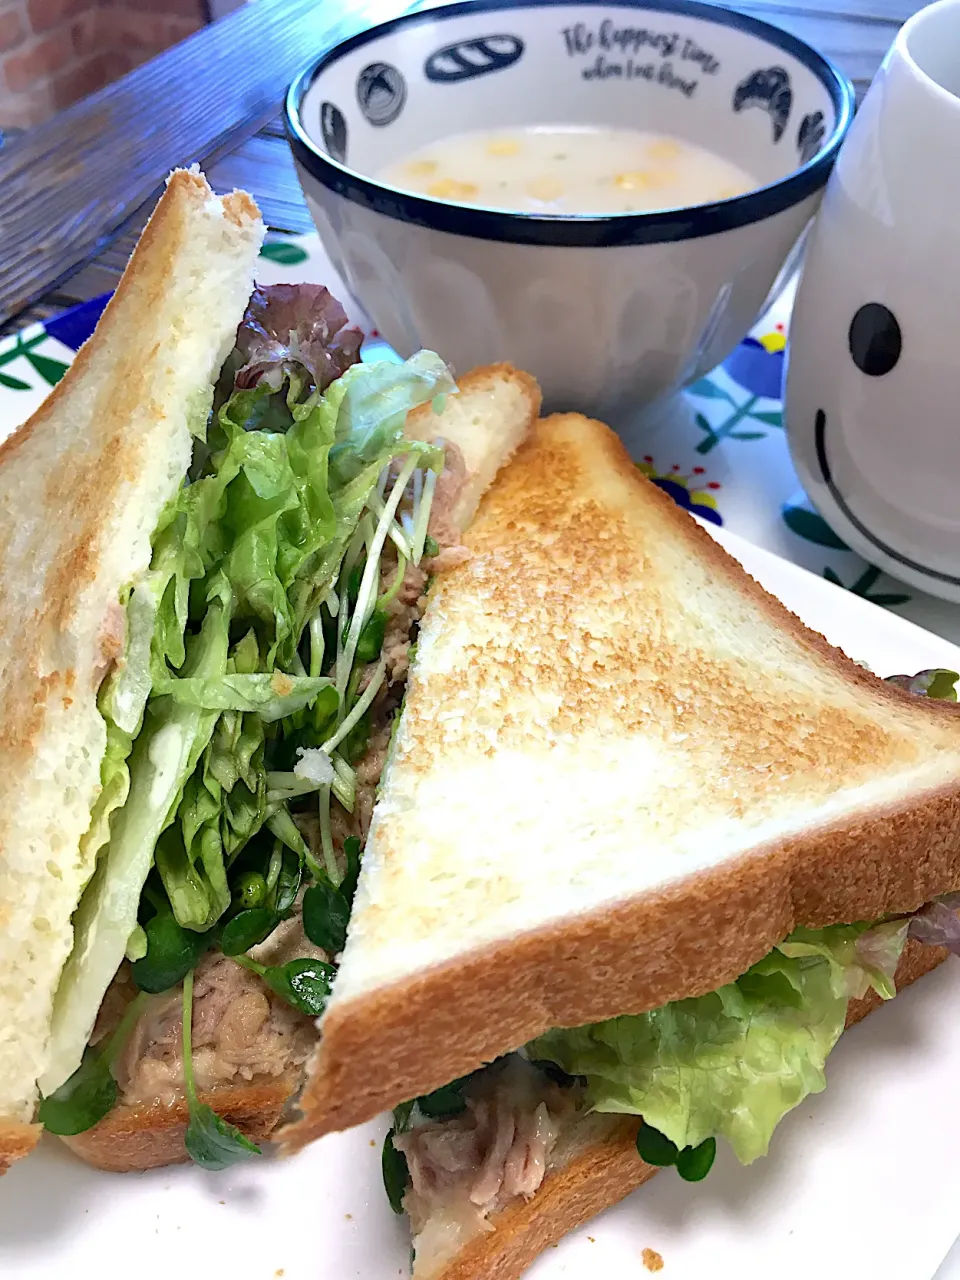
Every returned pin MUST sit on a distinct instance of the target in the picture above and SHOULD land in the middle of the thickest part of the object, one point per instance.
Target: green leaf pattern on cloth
(286, 252)
(864, 584)
(806, 523)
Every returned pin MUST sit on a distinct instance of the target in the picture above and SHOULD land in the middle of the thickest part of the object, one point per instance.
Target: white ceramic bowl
(611, 311)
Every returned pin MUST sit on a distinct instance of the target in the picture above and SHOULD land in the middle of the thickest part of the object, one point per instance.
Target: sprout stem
(422, 516)
(326, 837)
(368, 583)
(358, 709)
(190, 1086)
(316, 644)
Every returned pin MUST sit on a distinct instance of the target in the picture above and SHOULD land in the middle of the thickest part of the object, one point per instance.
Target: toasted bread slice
(487, 420)
(596, 1167)
(82, 485)
(623, 774)
(16, 1141)
(492, 413)
(147, 1137)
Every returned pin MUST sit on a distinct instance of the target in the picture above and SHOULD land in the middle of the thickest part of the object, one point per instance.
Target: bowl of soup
(606, 194)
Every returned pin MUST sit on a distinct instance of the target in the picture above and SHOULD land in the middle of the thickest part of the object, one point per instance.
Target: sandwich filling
(251, 680)
(241, 1032)
(728, 1064)
(467, 1151)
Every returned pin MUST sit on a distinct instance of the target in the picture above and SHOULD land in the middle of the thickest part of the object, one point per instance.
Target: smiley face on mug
(865, 426)
(875, 342)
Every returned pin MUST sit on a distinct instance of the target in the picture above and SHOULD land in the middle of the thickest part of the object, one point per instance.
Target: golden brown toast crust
(147, 1137)
(401, 1041)
(16, 1141)
(604, 1175)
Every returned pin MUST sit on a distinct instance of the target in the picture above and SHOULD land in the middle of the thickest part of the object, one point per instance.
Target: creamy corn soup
(556, 169)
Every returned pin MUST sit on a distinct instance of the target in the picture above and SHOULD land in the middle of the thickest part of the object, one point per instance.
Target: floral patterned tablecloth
(719, 451)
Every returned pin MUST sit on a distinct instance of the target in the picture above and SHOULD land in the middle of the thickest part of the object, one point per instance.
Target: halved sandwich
(218, 534)
(646, 844)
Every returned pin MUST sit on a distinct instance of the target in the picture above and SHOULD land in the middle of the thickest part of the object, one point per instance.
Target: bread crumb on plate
(652, 1260)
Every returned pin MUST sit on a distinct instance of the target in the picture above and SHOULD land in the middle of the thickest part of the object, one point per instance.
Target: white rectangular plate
(862, 1180)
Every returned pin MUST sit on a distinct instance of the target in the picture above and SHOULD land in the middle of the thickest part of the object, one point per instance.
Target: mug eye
(875, 339)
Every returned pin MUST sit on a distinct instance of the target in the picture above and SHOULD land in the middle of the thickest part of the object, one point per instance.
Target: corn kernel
(632, 181)
(421, 168)
(503, 147)
(545, 189)
(451, 189)
(663, 150)
(640, 179)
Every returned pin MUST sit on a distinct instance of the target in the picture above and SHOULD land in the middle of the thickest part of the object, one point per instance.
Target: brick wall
(53, 52)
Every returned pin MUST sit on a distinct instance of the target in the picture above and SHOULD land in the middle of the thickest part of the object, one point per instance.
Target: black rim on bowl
(587, 231)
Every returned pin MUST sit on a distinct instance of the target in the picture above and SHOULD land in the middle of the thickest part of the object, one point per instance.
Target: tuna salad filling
(471, 1149)
(242, 1031)
(251, 681)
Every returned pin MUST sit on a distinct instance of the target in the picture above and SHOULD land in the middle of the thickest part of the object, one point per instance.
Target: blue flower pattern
(756, 369)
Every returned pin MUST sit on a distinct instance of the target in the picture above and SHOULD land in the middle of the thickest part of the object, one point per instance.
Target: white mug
(874, 363)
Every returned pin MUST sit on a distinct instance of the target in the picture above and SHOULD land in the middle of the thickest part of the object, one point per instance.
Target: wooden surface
(75, 192)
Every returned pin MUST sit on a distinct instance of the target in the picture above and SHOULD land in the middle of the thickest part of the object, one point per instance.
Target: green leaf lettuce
(732, 1063)
(242, 556)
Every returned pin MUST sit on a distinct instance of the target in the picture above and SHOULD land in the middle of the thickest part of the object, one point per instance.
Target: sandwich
(645, 846)
(218, 536)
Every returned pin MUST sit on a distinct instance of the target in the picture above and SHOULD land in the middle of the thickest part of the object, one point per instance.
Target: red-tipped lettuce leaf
(289, 329)
(937, 925)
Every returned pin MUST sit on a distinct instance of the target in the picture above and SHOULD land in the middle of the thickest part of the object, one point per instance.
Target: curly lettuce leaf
(272, 695)
(224, 804)
(233, 762)
(373, 410)
(732, 1063)
(861, 956)
(114, 789)
(122, 702)
(368, 408)
(297, 330)
(164, 755)
(277, 509)
(248, 547)
(273, 521)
